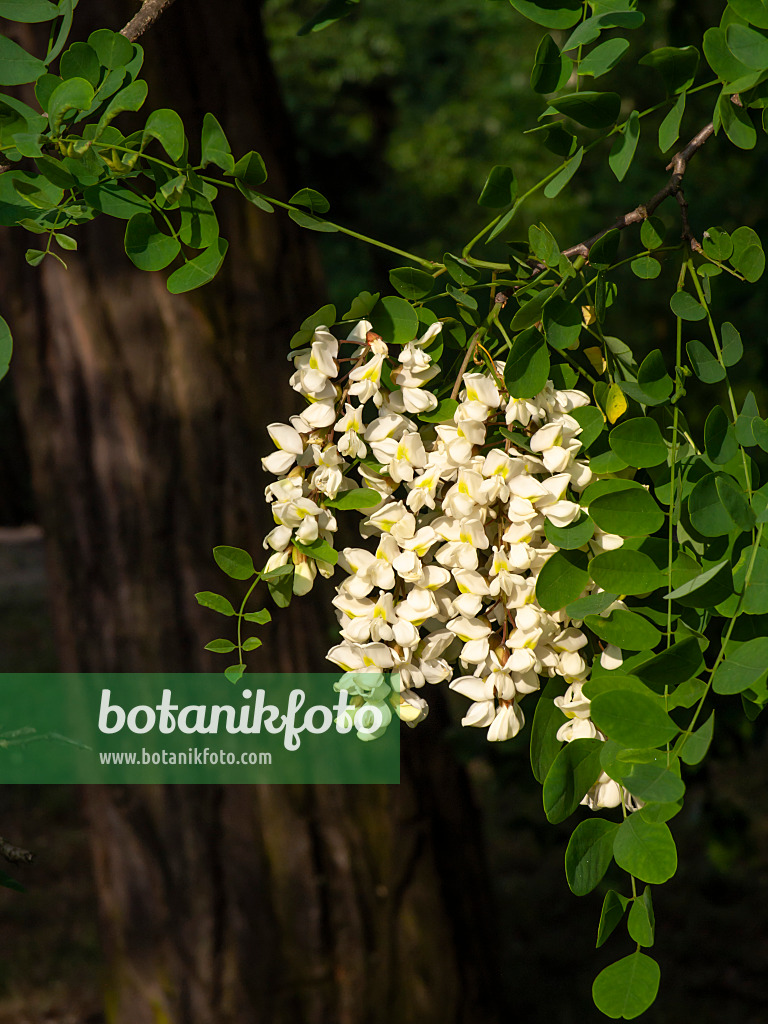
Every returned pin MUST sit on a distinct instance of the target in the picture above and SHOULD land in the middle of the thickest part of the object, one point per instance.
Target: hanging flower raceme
(455, 520)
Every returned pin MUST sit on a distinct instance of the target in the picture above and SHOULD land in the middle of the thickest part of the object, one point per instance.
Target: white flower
(508, 722)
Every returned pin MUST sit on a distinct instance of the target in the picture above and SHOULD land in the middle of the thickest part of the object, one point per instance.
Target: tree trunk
(144, 415)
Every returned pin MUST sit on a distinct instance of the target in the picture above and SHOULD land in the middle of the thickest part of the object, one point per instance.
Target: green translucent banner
(185, 728)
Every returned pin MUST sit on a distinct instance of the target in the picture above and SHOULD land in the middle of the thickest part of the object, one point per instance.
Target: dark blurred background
(396, 115)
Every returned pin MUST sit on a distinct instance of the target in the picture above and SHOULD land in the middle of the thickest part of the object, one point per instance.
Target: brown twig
(687, 235)
(678, 165)
(15, 854)
(147, 16)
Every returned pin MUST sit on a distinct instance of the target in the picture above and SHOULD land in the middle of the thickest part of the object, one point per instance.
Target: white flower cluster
(458, 534)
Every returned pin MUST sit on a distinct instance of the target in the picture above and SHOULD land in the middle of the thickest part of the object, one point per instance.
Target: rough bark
(144, 415)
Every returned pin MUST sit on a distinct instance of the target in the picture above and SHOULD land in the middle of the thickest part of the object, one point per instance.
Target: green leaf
(499, 189)
(614, 906)
(651, 781)
(55, 172)
(319, 550)
(6, 347)
(591, 421)
(603, 252)
(199, 226)
(112, 49)
(17, 67)
(261, 617)
(747, 46)
(570, 537)
(681, 661)
(531, 311)
(527, 368)
(625, 629)
(550, 13)
(684, 306)
(200, 270)
(252, 643)
(115, 200)
(736, 122)
(592, 605)
(589, 853)
(592, 109)
(220, 646)
(573, 773)
(250, 169)
(676, 65)
(602, 682)
(653, 379)
(73, 94)
(669, 129)
(742, 668)
(442, 414)
(692, 749)
(396, 320)
(80, 61)
(719, 438)
(720, 58)
(34, 257)
(692, 585)
(627, 988)
(564, 175)
(281, 586)
(646, 268)
(167, 127)
(706, 367)
(717, 244)
(549, 67)
(215, 148)
(748, 256)
(653, 232)
(360, 497)
(708, 515)
(656, 813)
(147, 246)
(312, 200)
(562, 322)
(461, 272)
(234, 561)
(753, 11)
(215, 602)
(602, 58)
(234, 673)
(562, 579)
(628, 510)
(626, 572)
(330, 12)
(638, 442)
(623, 149)
(632, 719)
(646, 850)
(732, 347)
(641, 923)
(28, 11)
(547, 719)
(324, 317)
(361, 306)
(411, 283)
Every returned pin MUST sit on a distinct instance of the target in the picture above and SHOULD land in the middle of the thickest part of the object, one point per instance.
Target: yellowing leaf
(588, 315)
(615, 403)
(595, 356)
